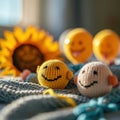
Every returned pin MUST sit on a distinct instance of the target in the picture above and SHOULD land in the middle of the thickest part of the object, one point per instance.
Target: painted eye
(80, 42)
(45, 67)
(95, 72)
(83, 71)
(57, 67)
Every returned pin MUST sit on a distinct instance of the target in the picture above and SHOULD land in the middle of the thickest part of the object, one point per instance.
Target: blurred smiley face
(106, 46)
(107, 49)
(78, 46)
(54, 74)
(27, 57)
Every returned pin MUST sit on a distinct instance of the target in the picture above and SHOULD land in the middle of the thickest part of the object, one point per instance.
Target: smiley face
(106, 46)
(93, 79)
(54, 74)
(53, 79)
(78, 45)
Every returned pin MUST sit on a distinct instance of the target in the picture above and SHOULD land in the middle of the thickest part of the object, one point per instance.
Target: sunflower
(21, 50)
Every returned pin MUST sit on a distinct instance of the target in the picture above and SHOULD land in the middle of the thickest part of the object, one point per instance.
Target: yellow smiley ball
(77, 45)
(106, 45)
(54, 74)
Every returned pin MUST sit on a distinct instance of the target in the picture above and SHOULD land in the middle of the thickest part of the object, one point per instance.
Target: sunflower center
(27, 57)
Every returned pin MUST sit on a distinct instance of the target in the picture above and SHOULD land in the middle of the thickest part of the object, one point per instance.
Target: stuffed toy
(54, 74)
(106, 44)
(76, 45)
(95, 79)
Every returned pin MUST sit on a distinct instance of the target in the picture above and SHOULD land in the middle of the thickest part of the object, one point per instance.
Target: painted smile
(106, 54)
(51, 79)
(87, 86)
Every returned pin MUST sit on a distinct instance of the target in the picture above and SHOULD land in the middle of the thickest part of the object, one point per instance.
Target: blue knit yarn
(93, 109)
(75, 68)
(32, 78)
(96, 108)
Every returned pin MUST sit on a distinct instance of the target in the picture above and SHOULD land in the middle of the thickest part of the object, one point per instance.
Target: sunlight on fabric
(10, 12)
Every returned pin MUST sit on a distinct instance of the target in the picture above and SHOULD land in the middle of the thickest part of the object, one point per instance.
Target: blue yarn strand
(94, 108)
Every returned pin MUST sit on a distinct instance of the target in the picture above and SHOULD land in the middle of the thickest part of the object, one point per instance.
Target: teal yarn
(32, 78)
(93, 110)
(116, 70)
(96, 108)
(113, 96)
(75, 68)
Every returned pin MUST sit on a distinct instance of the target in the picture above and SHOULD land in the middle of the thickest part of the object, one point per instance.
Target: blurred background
(55, 16)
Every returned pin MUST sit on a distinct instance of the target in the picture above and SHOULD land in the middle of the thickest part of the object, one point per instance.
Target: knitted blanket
(26, 100)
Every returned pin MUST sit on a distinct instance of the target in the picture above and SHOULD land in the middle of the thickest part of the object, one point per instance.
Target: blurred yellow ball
(77, 45)
(106, 45)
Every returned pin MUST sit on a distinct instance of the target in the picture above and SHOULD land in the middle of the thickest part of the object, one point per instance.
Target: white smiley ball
(93, 79)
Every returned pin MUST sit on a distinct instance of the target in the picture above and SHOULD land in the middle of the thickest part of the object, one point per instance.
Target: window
(10, 12)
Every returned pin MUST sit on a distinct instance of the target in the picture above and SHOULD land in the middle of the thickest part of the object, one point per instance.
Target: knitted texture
(32, 78)
(25, 73)
(11, 90)
(96, 108)
(48, 107)
(32, 105)
(116, 70)
(74, 68)
(95, 79)
(54, 74)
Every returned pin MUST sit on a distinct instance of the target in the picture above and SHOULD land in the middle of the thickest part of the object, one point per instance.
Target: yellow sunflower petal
(11, 72)
(26, 49)
(6, 52)
(41, 35)
(10, 40)
(19, 34)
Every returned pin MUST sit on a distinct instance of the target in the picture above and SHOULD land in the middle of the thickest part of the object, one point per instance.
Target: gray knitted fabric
(30, 106)
(11, 90)
(27, 102)
(46, 107)
(32, 100)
